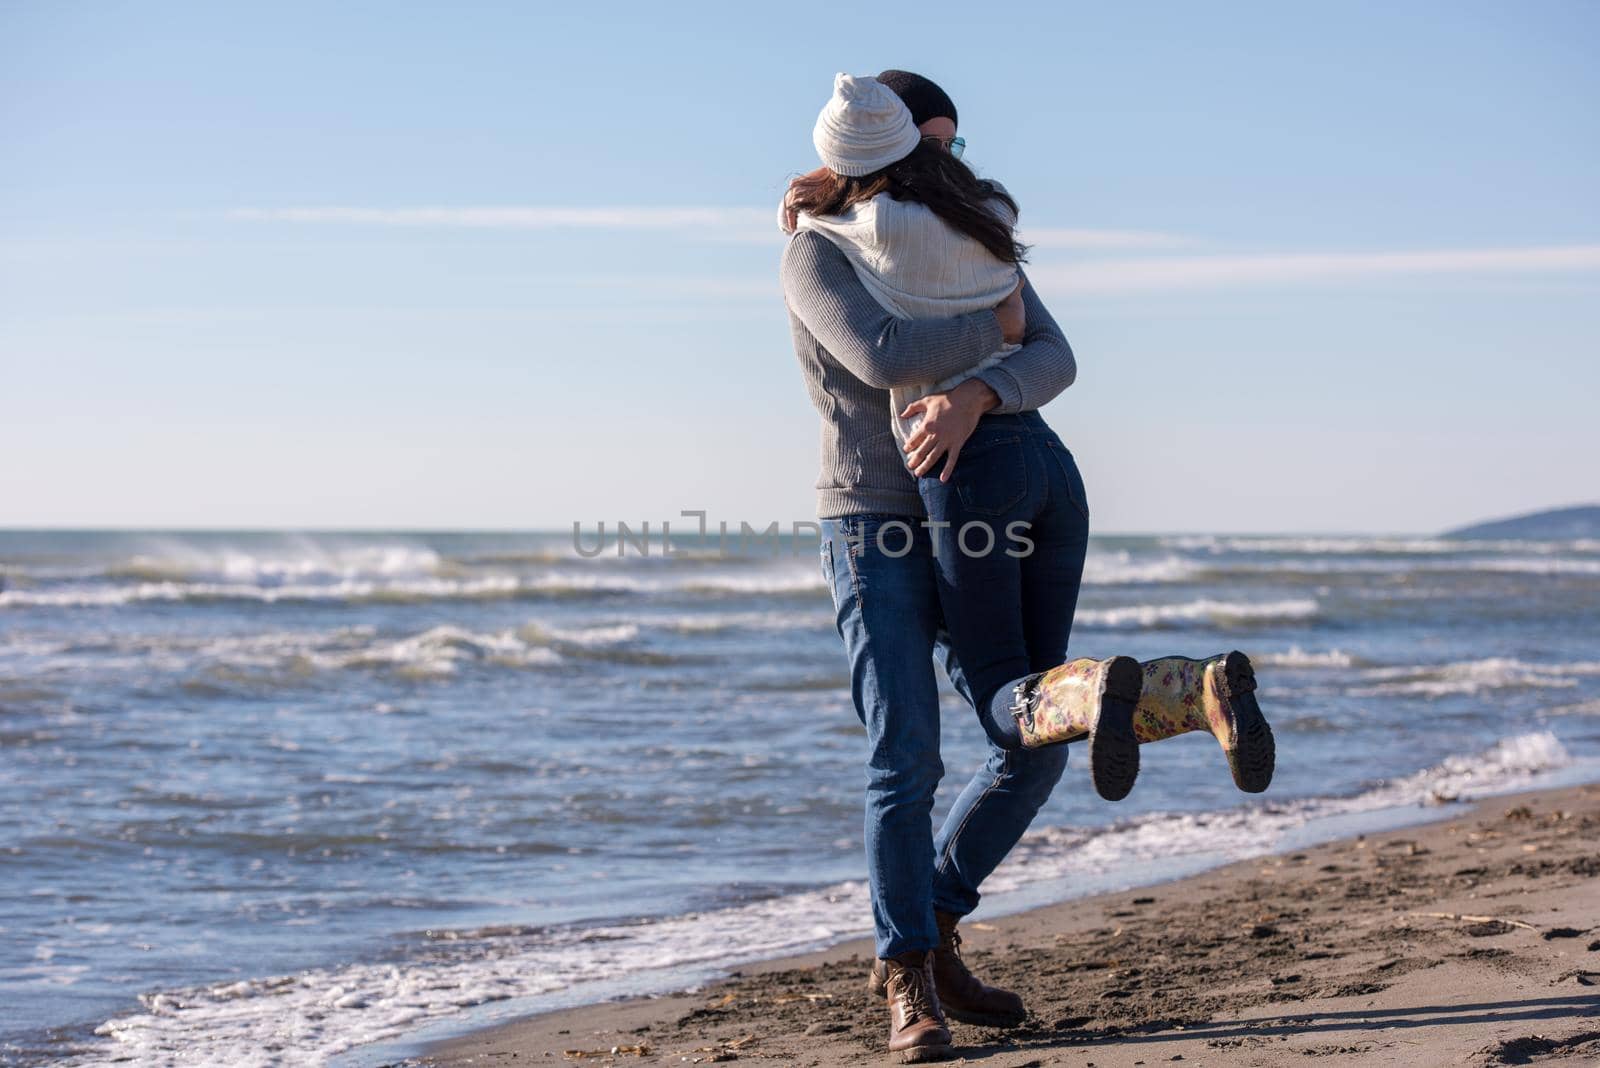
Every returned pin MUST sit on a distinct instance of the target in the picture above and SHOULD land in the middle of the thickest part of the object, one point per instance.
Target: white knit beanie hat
(863, 128)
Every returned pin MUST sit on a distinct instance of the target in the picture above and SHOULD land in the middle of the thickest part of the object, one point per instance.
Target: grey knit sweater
(852, 352)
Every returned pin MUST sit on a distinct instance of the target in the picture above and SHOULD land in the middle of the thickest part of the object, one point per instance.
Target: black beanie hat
(925, 99)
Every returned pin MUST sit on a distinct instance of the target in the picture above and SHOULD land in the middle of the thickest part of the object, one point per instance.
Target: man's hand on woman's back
(948, 420)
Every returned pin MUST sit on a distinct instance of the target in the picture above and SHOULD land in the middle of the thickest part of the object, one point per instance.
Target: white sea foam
(312, 1016)
(1515, 565)
(714, 622)
(1123, 568)
(1296, 657)
(1221, 837)
(438, 650)
(1356, 543)
(1539, 566)
(587, 637)
(1513, 764)
(313, 570)
(1203, 611)
(1470, 677)
(348, 590)
(299, 561)
(486, 587)
(1579, 708)
(1212, 543)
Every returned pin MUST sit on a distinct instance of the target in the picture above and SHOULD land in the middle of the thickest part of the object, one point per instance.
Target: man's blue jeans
(885, 594)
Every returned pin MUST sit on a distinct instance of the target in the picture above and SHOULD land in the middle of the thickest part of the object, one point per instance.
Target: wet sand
(1474, 941)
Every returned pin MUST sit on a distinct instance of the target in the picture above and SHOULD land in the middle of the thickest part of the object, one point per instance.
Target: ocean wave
(278, 656)
(315, 1015)
(1296, 657)
(1546, 566)
(1470, 677)
(258, 1021)
(439, 651)
(792, 584)
(304, 560)
(296, 656)
(1363, 545)
(1472, 565)
(593, 637)
(716, 622)
(1514, 763)
(1313, 546)
(1511, 764)
(1203, 612)
(1580, 708)
(348, 591)
(1322, 568)
(1125, 569)
(401, 574)
(362, 591)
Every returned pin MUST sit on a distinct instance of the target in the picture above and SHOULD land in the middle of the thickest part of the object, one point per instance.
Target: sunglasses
(953, 145)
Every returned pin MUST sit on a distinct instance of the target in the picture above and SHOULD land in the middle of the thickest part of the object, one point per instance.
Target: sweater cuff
(1005, 386)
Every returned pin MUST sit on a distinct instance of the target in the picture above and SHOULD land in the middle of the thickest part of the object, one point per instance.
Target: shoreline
(1335, 951)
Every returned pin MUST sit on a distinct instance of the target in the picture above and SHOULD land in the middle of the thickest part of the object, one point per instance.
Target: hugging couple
(928, 355)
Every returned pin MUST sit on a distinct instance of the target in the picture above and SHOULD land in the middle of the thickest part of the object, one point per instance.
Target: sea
(308, 799)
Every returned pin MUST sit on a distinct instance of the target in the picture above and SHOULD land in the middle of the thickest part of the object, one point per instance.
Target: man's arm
(822, 289)
(1036, 374)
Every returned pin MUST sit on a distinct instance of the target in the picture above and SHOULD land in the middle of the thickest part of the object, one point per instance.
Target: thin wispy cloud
(712, 223)
(522, 218)
(1248, 270)
(714, 287)
(1067, 238)
(1157, 274)
(1106, 274)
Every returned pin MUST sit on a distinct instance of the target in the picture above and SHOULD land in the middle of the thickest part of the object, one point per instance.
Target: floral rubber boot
(1087, 698)
(1216, 695)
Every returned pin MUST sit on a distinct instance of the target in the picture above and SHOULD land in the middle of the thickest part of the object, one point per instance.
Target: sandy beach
(1471, 941)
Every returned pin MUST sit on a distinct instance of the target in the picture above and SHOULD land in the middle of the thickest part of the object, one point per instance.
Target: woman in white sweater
(1009, 523)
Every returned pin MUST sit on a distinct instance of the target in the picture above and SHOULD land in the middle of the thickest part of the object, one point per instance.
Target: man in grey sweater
(878, 560)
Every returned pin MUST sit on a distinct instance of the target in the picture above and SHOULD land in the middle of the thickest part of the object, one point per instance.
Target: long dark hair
(929, 176)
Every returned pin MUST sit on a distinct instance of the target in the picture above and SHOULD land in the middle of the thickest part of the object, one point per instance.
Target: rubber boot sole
(1254, 754)
(1113, 747)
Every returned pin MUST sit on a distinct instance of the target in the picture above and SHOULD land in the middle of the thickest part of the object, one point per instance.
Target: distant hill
(1558, 524)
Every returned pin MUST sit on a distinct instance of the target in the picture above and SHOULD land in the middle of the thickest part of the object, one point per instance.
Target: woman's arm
(822, 289)
(1026, 380)
(1036, 374)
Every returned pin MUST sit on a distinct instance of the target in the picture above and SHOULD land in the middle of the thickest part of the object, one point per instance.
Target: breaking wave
(1200, 612)
(315, 1015)
(1470, 677)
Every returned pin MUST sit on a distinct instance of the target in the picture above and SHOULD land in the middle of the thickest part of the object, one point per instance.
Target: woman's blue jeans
(885, 592)
(1010, 532)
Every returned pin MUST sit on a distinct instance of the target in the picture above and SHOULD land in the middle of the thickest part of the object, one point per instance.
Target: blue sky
(1325, 267)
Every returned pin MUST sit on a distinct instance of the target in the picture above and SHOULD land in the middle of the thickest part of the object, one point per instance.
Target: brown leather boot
(917, 1031)
(962, 995)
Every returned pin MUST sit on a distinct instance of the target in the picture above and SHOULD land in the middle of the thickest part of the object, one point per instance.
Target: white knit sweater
(918, 267)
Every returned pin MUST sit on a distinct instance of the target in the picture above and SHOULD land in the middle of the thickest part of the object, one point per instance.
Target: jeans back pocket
(991, 475)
